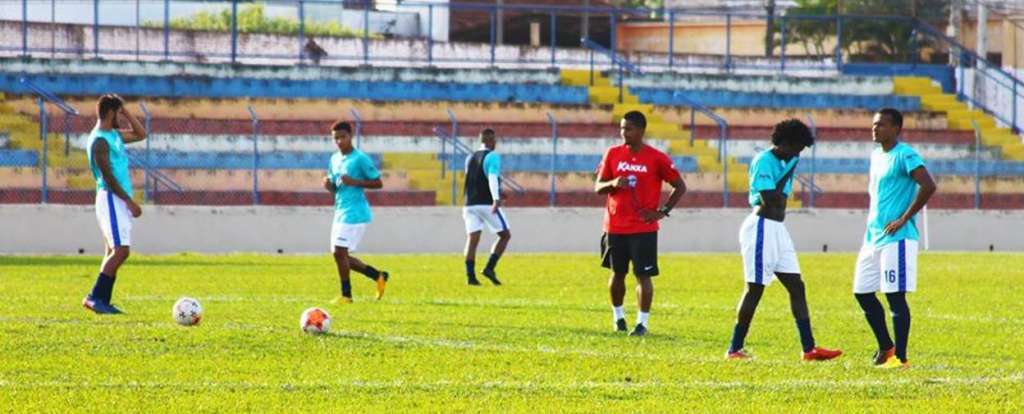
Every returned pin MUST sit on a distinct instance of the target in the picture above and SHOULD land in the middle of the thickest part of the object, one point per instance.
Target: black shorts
(618, 250)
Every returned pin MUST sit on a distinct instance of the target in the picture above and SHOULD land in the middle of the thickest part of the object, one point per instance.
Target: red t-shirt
(650, 167)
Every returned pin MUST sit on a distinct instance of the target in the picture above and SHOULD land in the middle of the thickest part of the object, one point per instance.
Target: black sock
(492, 262)
(900, 322)
(875, 315)
(806, 337)
(739, 335)
(745, 315)
(103, 288)
(346, 288)
(470, 269)
(370, 272)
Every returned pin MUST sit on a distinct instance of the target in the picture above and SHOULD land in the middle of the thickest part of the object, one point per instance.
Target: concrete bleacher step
(664, 130)
(620, 109)
(941, 103)
(965, 122)
(699, 148)
(602, 92)
(442, 188)
(24, 134)
(410, 161)
(996, 136)
(74, 159)
(959, 116)
(582, 77)
(1013, 151)
(80, 180)
(657, 128)
(423, 171)
(915, 85)
(609, 95)
(738, 178)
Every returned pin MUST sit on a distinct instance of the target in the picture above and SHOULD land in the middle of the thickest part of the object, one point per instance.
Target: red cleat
(821, 354)
(738, 355)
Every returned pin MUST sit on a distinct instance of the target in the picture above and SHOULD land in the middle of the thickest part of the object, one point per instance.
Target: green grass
(542, 342)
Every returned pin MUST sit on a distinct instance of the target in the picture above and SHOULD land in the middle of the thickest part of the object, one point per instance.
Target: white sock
(620, 313)
(641, 318)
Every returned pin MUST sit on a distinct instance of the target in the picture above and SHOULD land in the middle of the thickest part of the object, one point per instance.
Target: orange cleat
(382, 281)
(821, 354)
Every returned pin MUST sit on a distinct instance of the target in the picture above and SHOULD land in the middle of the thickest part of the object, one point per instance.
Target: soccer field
(542, 342)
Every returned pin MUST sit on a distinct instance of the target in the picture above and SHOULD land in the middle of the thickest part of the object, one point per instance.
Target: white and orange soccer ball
(315, 321)
(187, 312)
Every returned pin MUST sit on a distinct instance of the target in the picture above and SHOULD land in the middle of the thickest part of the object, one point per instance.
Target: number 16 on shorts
(890, 268)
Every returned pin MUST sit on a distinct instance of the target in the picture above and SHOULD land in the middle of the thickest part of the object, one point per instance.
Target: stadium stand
(202, 130)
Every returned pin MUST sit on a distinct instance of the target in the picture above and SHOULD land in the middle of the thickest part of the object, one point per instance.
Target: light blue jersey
(350, 204)
(765, 172)
(492, 164)
(892, 190)
(118, 159)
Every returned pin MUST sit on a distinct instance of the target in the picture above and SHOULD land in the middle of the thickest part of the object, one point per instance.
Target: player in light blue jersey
(899, 186)
(349, 174)
(767, 249)
(115, 207)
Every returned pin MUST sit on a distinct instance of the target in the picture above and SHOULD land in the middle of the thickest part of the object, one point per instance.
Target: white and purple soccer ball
(187, 312)
(315, 321)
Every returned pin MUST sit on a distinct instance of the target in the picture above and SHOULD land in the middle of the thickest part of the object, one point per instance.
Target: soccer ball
(315, 321)
(187, 312)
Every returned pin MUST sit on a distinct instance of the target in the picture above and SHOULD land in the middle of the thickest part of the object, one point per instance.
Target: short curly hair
(792, 131)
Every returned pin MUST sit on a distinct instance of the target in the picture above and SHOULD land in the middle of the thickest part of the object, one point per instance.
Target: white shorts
(477, 216)
(767, 249)
(114, 218)
(890, 268)
(347, 235)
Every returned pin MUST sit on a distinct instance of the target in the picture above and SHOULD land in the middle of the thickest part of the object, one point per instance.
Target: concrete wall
(65, 229)
(1013, 39)
(708, 38)
(124, 13)
(127, 43)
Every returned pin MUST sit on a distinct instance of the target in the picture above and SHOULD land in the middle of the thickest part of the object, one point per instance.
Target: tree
(862, 37)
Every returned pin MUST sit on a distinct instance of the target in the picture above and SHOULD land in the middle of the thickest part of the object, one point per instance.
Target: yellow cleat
(893, 363)
(382, 281)
(341, 300)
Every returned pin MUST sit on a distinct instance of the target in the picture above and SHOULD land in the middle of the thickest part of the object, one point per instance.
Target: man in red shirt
(631, 175)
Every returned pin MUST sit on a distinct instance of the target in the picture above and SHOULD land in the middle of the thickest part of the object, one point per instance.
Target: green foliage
(251, 19)
(863, 37)
(540, 343)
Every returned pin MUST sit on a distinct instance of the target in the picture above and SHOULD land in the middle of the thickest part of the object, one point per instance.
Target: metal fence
(150, 30)
(254, 161)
